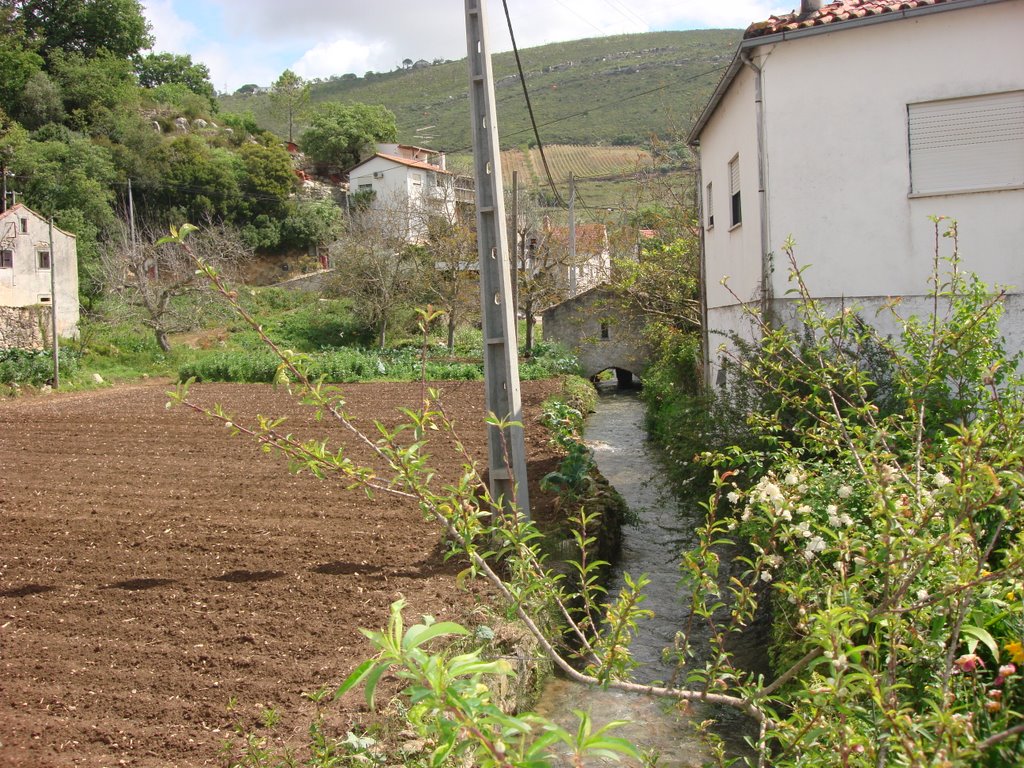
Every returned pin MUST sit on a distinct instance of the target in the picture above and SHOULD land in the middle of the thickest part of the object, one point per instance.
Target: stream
(616, 434)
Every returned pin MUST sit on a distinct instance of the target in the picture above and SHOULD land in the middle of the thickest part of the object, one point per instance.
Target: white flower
(733, 497)
(804, 509)
(774, 560)
(922, 594)
(746, 514)
(792, 478)
(940, 480)
(766, 576)
(804, 529)
(845, 491)
(786, 515)
(846, 520)
(816, 544)
(832, 509)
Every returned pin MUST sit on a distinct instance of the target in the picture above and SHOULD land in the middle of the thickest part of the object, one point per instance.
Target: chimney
(442, 161)
(808, 6)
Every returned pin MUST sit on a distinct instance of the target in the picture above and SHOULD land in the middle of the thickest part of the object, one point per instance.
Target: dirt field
(152, 568)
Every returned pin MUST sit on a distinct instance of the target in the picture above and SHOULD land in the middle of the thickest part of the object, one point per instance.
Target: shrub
(34, 368)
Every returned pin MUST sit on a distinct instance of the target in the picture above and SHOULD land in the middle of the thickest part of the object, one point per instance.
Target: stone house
(28, 270)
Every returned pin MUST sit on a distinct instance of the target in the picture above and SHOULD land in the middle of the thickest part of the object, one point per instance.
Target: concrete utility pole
(513, 239)
(53, 312)
(506, 447)
(572, 234)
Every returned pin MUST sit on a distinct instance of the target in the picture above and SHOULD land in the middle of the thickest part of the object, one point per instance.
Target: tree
(339, 133)
(156, 69)
(267, 179)
(289, 93)
(118, 27)
(381, 272)
(147, 281)
(538, 257)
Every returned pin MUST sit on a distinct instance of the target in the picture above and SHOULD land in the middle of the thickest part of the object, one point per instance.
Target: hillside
(611, 90)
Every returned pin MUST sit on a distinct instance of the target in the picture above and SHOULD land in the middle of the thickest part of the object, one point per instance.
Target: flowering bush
(886, 542)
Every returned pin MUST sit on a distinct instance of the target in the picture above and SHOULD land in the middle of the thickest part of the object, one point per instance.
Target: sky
(254, 41)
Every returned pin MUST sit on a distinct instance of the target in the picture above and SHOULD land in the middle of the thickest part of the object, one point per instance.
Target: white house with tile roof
(412, 183)
(846, 125)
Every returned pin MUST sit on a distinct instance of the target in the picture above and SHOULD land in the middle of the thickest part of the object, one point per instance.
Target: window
(44, 300)
(734, 192)
(710, 206)
(605, 330)
(417, 179)
(366, 187)
(24, 226)
(968, 144)
(43, 259)
(6, 259)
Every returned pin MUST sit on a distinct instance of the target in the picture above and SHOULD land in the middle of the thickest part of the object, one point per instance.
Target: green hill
(609, 90)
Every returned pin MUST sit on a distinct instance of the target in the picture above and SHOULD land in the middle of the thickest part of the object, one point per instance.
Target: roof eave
(693, 138)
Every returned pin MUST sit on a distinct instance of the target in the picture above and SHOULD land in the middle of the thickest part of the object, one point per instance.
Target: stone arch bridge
(602, 332)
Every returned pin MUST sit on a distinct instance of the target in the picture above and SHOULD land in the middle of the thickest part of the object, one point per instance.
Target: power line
(529, 106)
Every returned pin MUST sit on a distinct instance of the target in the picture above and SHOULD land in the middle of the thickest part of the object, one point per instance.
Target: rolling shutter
(959, 145)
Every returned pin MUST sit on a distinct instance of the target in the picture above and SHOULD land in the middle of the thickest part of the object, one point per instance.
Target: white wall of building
(837, 163)
(838, 159)
(409, 192)
(25, 283)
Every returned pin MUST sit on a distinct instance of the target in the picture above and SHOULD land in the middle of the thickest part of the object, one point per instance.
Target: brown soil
(153, 568)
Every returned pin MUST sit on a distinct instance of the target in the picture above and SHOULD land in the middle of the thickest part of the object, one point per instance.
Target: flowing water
(616, 434)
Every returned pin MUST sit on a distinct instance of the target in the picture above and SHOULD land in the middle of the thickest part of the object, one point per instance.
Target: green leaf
(978, 634)
(422, 633)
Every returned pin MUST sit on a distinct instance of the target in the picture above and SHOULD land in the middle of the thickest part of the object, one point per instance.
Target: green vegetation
(612, 90)
(324, 331)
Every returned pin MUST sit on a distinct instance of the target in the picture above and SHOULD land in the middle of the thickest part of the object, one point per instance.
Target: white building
(846, 125)
(410, 183)
(26, 265)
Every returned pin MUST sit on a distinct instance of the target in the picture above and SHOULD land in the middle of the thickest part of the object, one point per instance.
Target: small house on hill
(411, 183)
(27, 266)
(846, 125)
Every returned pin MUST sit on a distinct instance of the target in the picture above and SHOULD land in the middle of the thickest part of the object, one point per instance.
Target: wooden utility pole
(506, 446)
(53, 312)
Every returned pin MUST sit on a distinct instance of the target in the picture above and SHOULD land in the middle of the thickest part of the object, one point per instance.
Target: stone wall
(314, 282)
(601, 331)
(24, 327)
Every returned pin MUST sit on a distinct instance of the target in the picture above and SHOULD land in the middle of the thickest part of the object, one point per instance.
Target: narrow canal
(616, 434)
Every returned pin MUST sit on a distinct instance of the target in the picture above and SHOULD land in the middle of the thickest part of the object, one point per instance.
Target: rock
(156, 127)
(413, 747)
(97, 379)
(199, 123)
(181, 124)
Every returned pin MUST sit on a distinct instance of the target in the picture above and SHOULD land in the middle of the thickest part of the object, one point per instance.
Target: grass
(321, 330)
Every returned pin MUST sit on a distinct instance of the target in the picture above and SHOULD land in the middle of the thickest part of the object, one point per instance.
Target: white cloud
(341, 56)
(170, 31)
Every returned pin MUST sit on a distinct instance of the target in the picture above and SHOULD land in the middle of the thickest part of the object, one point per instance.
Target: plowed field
(152, 568)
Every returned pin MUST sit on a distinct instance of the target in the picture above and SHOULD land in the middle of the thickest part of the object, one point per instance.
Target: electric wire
(529, 107)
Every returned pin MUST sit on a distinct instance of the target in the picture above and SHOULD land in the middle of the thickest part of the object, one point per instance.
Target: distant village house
(26, 266)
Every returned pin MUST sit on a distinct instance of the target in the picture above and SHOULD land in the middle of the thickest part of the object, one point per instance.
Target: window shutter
(959, 145)
(734, 176)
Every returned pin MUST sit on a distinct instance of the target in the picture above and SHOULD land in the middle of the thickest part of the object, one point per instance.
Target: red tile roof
(842, 10)
(410, 163)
